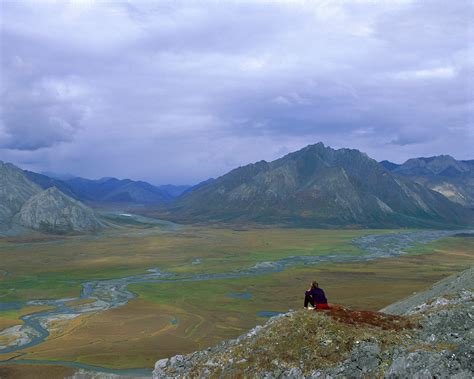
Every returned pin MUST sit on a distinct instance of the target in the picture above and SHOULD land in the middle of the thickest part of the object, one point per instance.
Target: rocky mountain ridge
(427, 335)
(318, 186)
(110, 190)
(15, 190)
(51, 211)
(444, 174)
(25, 206)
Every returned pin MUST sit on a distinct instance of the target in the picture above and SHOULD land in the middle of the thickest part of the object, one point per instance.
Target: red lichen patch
(378, 319)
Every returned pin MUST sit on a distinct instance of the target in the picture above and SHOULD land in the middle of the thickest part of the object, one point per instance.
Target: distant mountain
(109, 190)
(59, 176)
(112, 190)
(25, 204)
(52, 211)
(46, 182)
(174, 191)
(444, 174)
(390, 166)
(319, 186)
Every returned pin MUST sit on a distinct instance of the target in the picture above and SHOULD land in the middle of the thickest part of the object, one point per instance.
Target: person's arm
(308, 292)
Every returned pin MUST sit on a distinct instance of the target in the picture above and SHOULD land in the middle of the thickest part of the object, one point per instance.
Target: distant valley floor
(174, 317)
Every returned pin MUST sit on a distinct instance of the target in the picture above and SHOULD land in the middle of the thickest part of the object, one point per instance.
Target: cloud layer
(181, 91)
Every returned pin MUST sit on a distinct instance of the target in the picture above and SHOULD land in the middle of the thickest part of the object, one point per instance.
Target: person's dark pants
(308, 299)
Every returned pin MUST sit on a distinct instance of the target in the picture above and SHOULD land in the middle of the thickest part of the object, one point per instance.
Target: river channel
(113, 293)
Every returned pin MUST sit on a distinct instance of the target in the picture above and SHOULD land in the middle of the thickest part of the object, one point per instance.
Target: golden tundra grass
(141, 332)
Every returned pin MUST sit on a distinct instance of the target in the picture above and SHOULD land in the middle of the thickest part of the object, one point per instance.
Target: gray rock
(162, 363)
(450, 285)
(52, 211)
(15, 190)
(423, 364)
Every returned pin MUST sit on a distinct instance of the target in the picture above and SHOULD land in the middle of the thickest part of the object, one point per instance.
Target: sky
(177, 92)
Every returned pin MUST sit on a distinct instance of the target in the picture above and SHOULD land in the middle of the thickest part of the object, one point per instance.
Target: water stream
(113, 293)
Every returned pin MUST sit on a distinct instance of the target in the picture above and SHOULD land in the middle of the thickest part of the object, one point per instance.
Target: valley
(123, 298)
(179, 178)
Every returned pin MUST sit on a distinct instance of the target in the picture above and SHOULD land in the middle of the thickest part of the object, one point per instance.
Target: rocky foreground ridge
(428, 335)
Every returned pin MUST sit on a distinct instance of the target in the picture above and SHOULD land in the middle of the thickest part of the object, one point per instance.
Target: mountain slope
(427, 336)
(23, 204)
(109, 190)
(46, 182)
(53, 211)
(174, 190)
(444, 174)
(15, 190)
(112, 190)
(319, 186)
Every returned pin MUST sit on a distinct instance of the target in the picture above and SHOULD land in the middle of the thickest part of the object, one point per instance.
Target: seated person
(316, 297)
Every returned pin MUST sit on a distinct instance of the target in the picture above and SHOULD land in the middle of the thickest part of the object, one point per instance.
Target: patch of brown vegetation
(34, 371)
(377, 319)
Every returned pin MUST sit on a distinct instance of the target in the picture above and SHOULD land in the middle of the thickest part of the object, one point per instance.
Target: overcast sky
(176, 92)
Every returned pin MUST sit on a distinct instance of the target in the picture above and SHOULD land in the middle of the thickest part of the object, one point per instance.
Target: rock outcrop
(428, 335)
(24, 206)
(52, 211)
(15, 190)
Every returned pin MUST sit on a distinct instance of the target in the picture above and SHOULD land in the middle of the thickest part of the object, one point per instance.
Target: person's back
(316, 297)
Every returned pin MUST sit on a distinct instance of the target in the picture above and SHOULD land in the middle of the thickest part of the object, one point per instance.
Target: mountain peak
(54, 212)
(318, 186)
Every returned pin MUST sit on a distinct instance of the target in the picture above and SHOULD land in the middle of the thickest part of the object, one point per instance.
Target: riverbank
(410, 272)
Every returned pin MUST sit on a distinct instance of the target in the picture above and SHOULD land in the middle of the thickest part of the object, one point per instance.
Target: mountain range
(316, 186)
(323, 187)
(110, 190)
(444, 174)
(24, 205)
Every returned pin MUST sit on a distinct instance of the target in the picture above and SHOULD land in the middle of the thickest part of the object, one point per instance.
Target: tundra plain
(179, 316)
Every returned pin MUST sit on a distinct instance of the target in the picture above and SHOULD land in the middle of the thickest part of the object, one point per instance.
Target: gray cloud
(180, 91)
(41, 114)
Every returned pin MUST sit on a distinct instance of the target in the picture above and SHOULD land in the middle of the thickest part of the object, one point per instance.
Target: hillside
(109, 190)
(15, 190)
(428, 336)
(318, 186)
(51, 211)
(24, 205)
(112, 190)
(46, 182)
(444, 174)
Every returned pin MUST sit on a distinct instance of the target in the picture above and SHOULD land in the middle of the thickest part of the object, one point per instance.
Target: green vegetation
(55, 268)
(178, 317)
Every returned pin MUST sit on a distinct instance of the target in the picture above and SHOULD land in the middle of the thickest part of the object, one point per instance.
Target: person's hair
(315, 284)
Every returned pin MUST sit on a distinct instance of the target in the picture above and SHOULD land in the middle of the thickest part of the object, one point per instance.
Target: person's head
(314, 284)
